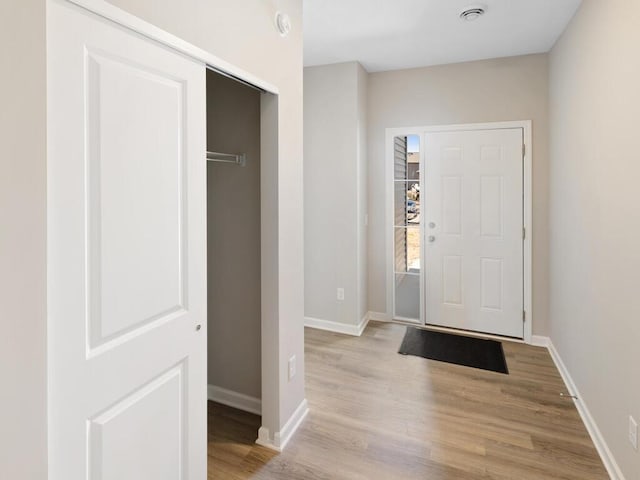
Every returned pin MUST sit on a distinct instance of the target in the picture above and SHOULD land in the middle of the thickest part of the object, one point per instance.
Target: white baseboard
(379, 316)
(234, 399)
(281, 438)
(596, 436)
(363, 324)
(540, 341)
(337, 327)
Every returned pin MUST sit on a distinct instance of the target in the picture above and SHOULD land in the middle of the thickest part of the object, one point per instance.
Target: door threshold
(458, 331)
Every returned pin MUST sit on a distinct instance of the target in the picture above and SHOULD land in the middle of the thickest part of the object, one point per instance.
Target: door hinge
(524, 316)
(524, 151)
(524, 233)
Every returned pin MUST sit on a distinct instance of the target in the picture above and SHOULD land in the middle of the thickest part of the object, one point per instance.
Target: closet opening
(233, 261)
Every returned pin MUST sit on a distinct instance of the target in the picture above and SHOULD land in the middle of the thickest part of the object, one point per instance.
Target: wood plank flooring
(376, 414)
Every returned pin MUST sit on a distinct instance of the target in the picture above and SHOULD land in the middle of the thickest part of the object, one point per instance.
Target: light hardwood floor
(376, 414)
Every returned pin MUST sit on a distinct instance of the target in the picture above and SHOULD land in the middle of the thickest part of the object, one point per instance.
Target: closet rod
(234, 158)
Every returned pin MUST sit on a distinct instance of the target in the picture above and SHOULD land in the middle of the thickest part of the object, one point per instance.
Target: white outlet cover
(340, 294)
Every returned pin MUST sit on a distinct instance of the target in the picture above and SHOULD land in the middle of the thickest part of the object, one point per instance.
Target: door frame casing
(527, 190)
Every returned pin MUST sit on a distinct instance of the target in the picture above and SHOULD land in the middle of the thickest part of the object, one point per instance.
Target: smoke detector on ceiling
(472, 12)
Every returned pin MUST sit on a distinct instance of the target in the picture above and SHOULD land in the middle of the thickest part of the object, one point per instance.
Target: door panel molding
(106, 437)
(126, 253)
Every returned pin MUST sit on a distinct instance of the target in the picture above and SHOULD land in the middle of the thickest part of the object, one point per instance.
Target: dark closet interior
(233, 242)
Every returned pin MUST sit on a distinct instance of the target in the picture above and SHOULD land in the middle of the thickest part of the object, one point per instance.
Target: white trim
(540, 341)
(378, 317)
(363, 324)
(435, 328)
(233, 399)
(264, 439)
(281, 438)
(422, 319)
(470, 333)
(596, 436)
(526, 126)
(389, 224)
(337, 327)
(528, 225)
(121, 17)
(409, 321)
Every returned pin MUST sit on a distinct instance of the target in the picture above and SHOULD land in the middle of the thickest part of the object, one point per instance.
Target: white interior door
(126, 254)
(473, 228)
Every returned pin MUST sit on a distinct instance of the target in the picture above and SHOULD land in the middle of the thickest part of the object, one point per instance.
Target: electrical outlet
(340, 294)
(292, 367)
(633, 432)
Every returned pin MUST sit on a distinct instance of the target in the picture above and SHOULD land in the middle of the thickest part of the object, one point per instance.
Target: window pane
(413, 166)
(413, 249)
(400, 258)
(407, 249)
(399, 204)
(413, 203)
(400, 158)
(407, 296)
(406, 203)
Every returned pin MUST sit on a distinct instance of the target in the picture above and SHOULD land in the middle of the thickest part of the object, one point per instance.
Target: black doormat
(458, 349)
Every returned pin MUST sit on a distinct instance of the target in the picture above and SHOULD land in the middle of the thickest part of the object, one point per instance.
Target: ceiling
(397, 34)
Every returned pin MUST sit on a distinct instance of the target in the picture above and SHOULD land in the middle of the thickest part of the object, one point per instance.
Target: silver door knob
(431, 239)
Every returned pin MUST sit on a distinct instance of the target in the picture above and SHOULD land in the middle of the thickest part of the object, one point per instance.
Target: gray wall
(233, 237)
(594, 215)
(23, 332)
(334, 191)
(514, 88)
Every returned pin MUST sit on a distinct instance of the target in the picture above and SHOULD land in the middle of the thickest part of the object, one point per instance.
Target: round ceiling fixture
(283, 24)
(472, 12)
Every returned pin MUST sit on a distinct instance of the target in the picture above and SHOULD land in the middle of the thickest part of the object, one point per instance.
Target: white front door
(473, 203)
(126, 254)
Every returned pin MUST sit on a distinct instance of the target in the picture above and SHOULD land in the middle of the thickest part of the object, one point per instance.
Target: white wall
(514, 88)
(594, 214)
(334, 192)
(23, 400)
